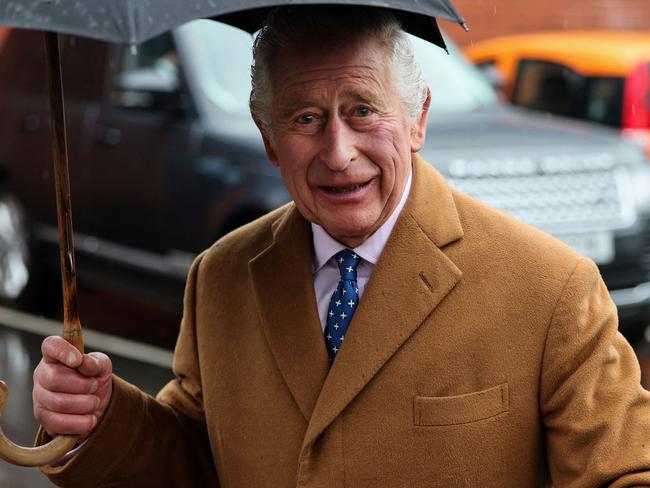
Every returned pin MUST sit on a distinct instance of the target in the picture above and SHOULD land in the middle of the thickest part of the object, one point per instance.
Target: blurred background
(493, 18)
(541, 110)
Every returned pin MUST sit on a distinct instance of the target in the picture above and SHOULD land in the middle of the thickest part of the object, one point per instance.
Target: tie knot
(347, 261)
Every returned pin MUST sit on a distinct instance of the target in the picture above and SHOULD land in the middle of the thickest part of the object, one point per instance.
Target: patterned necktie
(343, 303)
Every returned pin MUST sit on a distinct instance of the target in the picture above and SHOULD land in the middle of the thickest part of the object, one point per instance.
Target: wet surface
(19, 354)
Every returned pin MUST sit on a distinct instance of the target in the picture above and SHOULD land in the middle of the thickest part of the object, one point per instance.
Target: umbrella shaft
(71, 327)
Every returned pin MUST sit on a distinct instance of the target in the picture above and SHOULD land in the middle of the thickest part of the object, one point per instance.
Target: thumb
(56, 349)
(95, 364)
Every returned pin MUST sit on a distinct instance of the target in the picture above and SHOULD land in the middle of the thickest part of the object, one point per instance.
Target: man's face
(340, 137)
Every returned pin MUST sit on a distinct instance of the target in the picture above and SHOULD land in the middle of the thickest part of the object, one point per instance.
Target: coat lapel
(284, 291)
(411, 278)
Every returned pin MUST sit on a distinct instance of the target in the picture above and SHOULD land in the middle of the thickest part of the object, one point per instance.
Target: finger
(57, 350)
(96, 364)
(65, 402)
(58, 423)
(61, 379)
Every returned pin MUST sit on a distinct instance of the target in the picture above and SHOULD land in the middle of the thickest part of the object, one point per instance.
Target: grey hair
(327, 27)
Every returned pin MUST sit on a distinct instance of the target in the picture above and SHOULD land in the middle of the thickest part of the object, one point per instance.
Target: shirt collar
(325, 246)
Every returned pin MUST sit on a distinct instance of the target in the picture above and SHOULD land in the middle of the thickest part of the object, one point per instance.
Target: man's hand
(71, 390)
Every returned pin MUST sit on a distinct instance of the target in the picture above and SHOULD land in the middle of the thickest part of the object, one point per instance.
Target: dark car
(158, 168)
(165, 159)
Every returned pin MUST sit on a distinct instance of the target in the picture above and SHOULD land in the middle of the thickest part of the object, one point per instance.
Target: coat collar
(412, 276)
(284, 292)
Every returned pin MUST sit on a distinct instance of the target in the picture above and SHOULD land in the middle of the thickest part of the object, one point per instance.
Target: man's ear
(419, 129)
(270, 153)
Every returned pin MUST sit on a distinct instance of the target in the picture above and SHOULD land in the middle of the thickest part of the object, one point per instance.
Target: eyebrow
(288, 110)
(371, 98)
(367, 97)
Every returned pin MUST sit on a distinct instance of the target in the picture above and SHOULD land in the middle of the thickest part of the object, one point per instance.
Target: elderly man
(383, 330)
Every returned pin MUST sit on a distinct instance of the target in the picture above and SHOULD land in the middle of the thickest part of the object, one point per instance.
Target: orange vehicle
(599, 76)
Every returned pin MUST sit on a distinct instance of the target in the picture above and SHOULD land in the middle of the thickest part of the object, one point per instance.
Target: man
(381, 331)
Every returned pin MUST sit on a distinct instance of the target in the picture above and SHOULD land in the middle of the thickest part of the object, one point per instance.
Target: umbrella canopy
(135, 21)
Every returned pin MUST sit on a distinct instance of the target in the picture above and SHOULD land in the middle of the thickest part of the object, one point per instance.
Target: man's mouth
(345, 189)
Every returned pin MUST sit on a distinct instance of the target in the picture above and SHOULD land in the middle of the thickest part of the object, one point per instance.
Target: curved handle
(32, 456)
(57, 447)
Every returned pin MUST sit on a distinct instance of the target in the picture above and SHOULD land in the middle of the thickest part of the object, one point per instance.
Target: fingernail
(94, 386)
(72, 359)
(94, 424)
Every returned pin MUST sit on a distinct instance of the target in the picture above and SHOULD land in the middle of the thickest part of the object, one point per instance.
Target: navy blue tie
(343, 303)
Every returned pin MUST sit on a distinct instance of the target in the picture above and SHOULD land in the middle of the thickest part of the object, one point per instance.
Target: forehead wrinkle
(324, 87)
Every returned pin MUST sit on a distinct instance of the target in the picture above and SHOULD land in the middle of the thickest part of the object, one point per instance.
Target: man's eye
(305, 119)
(362, 111)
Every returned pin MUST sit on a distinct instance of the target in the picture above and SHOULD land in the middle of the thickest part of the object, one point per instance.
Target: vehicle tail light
(636, 105)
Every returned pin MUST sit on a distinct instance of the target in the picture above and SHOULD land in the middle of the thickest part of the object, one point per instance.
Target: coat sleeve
(144, 442)
(596, 414)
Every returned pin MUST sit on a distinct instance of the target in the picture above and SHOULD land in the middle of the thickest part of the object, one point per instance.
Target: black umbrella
(135, 21)
(132, 22)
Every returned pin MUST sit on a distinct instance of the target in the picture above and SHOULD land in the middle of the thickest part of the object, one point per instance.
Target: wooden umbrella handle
(56, 448)
(32, 456)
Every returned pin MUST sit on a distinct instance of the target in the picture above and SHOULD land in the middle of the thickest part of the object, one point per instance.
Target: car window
(456, 85)
(223, 65)
(145, 71)
(604, 98)
(490, 70)
(551, 87)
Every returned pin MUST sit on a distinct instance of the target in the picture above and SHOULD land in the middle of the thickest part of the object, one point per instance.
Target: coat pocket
(460, 409)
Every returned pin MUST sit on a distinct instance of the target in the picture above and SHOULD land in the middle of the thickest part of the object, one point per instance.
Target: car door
(26, 154)
(142, 126)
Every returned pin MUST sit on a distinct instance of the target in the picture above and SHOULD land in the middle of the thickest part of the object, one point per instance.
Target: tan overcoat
(483, 353)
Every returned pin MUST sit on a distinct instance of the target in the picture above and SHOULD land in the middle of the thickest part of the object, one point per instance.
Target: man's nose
(338, 148)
